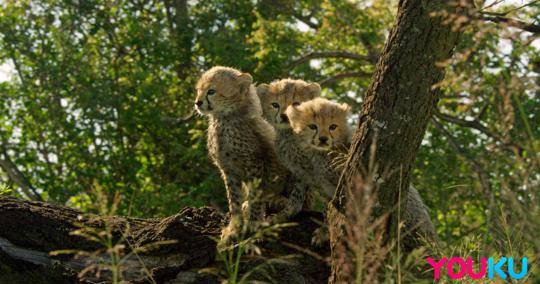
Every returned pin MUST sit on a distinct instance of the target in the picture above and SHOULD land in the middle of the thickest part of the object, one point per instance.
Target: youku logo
(457, 268)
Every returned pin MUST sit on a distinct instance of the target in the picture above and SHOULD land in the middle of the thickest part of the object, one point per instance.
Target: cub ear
(292, 112)
(345, 107)
(313, 90)
(244, 81)
(263, 89)
(245, 78)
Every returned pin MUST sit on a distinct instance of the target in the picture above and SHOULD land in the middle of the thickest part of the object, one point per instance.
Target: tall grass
(5, 190)
(114, 252)
(253, 233)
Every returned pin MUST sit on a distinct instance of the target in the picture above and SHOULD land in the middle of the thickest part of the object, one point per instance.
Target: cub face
(320, 123)
(222, 90)
(278, 95)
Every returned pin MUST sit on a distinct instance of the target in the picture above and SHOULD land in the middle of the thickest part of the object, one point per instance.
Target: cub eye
(313, 126)
(210, 92)
(333, 127)
(275, 105)
(296, 104)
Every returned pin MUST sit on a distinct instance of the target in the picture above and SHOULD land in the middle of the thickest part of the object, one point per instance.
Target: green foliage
(5, 190)
(100, 89)
(95, 103)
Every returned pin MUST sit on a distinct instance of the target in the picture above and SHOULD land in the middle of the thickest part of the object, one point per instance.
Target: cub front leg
(254, 214)
(293, 204)
(233, 231)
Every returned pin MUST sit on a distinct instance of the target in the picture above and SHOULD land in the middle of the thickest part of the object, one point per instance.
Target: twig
(492, 4)
(508, 11)
(373, 55)
(486, 185)
(475, 124)
(327, 54)
(340, 76)
(17, 177)
(480, 172)
(176, 120)
(532, 28)
(305, 251)
(482, 111)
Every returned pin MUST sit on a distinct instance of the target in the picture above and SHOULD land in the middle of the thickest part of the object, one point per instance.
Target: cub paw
(320, 237)
(277, 218)
(230, 234)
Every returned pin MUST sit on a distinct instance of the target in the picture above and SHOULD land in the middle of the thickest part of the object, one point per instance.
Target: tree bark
(30, 231)
(397, 107)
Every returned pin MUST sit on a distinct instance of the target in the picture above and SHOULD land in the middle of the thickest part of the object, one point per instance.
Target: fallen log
(177, 249)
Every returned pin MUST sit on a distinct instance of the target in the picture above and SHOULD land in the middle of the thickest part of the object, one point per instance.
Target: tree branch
(157, 250)
(182, 34)
(475, 124)
(482, 175)
(507, 11)
(175, 121)
(397, 107)
(287, 9)
(372, 54)
(17, 177)
(532, 28)
(340, 76)
(327, 54)
(170, 17)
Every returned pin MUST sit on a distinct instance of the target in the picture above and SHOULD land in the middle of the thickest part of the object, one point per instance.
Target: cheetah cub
(275, 98)
(240, 144)
(319, 127)
(280, 94)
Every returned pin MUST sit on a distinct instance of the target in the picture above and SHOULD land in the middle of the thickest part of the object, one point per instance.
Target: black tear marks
(208, 102)
(313, 137)
(277, 114)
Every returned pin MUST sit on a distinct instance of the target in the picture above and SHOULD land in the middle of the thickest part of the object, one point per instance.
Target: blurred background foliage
(97, 96)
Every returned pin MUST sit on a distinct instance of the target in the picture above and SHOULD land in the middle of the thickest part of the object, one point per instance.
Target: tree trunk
(397, 107)
(30, 231)
(182, 33)
(16, 176)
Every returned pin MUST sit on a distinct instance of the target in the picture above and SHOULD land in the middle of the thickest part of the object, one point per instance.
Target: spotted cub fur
(241, 145)
(321, 123)
(275, 98)
(280, 94)
(319, 127)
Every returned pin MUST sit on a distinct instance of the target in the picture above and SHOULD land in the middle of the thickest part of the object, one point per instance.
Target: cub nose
(198, 103)
(323, 139)
(284, 118)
